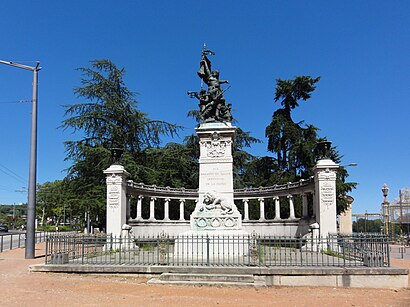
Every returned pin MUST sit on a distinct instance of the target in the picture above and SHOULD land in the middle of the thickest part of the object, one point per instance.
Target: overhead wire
(9, 172)
(17, 101)
(4, 188)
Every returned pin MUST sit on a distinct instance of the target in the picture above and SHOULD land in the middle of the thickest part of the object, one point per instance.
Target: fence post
(46, 253)
(82, 251)
(119, 259)
(158, 249)
(1, 245)
(207, 250)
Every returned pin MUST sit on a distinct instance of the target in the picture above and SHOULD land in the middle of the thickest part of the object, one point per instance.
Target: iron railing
(219, 250)
(10, 241)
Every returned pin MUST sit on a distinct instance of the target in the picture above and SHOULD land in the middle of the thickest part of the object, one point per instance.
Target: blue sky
(359, 48)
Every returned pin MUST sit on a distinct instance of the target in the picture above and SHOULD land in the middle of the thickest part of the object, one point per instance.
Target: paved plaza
(22, 288)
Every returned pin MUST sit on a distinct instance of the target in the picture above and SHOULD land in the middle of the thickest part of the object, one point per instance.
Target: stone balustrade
(277, 193)
(287, 210)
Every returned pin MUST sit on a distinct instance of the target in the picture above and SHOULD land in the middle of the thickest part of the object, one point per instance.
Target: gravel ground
(22, 288)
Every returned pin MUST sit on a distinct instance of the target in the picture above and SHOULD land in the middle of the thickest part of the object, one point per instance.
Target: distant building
(345, 218)
(399, 211)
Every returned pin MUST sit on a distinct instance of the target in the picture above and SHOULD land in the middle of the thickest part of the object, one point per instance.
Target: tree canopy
(293, 144)
(107, 117)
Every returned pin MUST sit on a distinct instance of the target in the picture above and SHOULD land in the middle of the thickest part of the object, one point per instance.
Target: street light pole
(385, 191)
(31, 207)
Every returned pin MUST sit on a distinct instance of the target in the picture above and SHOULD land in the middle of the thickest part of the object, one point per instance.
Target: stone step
(200, 283)
(207, 277)
(208, 280)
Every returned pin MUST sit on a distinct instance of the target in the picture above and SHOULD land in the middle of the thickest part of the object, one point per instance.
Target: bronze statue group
(212, 104)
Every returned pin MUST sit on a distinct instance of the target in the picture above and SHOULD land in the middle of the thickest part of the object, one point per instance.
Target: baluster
(246, 209)
(128, 209)
(166, 209)
(152, 208)
(139, 208)
(291, 207)
(181, 209)
(304, 205)
(277, 208)
(262, 209)
(314, 207)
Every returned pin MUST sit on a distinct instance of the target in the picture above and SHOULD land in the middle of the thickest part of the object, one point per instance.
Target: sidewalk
(21, 288)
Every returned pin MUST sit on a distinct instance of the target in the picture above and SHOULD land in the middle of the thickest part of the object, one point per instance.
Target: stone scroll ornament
(212, 104)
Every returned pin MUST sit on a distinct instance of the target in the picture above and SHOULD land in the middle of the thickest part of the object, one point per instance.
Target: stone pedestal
(116, 199)
(215, 210)
(325, 194)
(216, 225)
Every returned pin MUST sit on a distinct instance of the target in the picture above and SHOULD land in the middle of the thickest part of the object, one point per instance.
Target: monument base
(216, 220)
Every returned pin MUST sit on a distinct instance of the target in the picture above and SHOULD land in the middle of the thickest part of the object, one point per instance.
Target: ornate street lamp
(385, 191)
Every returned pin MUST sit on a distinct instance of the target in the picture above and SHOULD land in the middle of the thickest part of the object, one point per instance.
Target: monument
(215, 214)
(215, 210)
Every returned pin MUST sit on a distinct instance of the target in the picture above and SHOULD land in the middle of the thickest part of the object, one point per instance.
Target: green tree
(52, 201)
(106, 118)
(366, 225)
(285, 137)
(293, 143)
(110, 117)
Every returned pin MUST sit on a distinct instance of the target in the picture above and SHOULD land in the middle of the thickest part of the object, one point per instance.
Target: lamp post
(31, 207)
(385, 191)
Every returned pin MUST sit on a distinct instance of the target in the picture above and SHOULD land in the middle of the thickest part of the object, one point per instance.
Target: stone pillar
(291, 207)
(315, 205)
(181, 209)
(216, 209)
(261, 209)
(152, 209)
(139, 208)
(166, 209)
(116, 177)
(277, 208)
(246, 209)
(304, 205)
(325, 194)
(128, 206)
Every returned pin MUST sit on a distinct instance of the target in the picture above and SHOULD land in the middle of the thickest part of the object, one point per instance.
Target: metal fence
(10, 241)
(217, 250)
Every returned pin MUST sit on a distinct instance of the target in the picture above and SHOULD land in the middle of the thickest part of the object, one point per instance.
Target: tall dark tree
(106, 117)
(293, 143)
(110, 117)
(283, 133)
